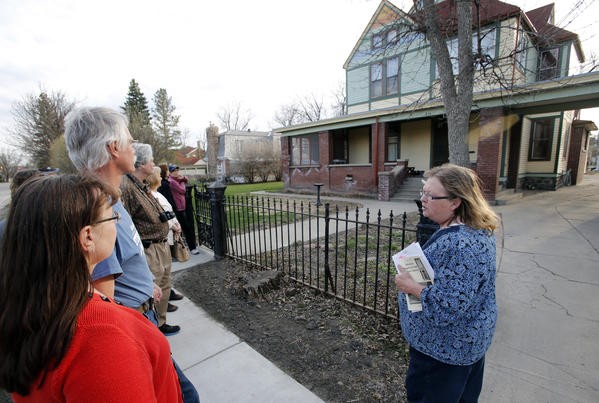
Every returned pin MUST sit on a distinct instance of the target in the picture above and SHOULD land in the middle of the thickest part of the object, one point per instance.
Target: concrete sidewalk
(221, 366)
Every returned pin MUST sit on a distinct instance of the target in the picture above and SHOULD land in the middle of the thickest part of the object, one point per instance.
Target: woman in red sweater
(61, 340)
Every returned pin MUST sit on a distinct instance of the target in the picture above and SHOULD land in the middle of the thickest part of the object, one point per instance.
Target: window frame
(380, 88)
(540, 127)
(541, 75)
(300, 145)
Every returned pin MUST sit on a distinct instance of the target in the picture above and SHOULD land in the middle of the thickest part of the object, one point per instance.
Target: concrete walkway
(223, 367)
(546, 347)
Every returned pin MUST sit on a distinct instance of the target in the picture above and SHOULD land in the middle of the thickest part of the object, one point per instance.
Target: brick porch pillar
(491, 126)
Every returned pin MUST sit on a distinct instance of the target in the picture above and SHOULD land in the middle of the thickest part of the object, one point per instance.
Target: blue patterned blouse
(459, 311)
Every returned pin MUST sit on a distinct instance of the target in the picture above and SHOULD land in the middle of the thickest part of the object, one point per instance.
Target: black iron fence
(329, 248)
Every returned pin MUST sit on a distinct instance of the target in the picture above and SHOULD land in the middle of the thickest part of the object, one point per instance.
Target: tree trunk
(456, 91)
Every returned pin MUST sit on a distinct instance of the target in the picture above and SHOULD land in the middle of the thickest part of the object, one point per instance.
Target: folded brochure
(413, 261)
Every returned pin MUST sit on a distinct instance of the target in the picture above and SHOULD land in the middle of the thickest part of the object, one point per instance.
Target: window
(392, 148)
(340, 148)
(377, 41)
(392, 73)
(393, 151)
(541, 139)
(548, 64)
(376, 80)
(521, 51)
(384, 78)
(304, 150)
(487, 45)
(392, 36)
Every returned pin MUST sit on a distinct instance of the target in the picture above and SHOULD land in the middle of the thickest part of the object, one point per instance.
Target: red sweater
(116, 355)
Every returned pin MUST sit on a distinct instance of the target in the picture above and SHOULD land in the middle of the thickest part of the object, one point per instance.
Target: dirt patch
(341, 353)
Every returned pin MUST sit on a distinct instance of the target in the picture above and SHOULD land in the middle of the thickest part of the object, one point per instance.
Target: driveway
(546, 347)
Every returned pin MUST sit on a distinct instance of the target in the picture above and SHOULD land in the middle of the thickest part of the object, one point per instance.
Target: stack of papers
(413, 261)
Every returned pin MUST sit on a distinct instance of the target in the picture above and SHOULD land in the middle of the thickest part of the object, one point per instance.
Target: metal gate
(203, 216)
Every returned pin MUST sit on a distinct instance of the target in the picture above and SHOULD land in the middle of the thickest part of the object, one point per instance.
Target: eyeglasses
(115, 216)
(428, 196)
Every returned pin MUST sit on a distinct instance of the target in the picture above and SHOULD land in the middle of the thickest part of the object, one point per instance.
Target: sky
(207, 54)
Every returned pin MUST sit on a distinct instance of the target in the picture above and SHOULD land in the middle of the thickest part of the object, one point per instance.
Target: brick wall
(489, 150)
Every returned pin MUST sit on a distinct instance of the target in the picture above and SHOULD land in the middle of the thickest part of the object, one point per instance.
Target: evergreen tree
(165, 123)
(138, 113)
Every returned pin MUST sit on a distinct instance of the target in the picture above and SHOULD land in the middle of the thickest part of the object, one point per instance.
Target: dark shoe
(169, 330)
(174, 296)
(171, 307)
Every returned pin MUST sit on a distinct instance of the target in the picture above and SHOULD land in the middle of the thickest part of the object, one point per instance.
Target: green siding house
(525, 129)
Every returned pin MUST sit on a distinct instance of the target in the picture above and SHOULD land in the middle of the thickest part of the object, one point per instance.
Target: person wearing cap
(177, 183)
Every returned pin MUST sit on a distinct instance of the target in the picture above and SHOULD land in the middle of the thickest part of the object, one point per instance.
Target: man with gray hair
(151, 222)
(99, 143)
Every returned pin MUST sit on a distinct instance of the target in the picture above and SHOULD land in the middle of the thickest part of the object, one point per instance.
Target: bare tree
(288, 115)
(39, 120)
(9, 164)
(339, 106)
(309, 108)
(312, 108)
(234, 117)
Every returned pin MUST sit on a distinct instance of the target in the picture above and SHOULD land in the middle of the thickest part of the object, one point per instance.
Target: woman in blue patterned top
(450, 336)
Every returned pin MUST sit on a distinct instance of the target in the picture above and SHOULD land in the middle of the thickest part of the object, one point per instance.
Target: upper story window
(376, 80)
(487, 48)
(541, 138)
(521, 51)
(548, 64)
(392, 36)
(377, 41)
(392, 75)
(385, 38)
(384, 78)
(304, 150)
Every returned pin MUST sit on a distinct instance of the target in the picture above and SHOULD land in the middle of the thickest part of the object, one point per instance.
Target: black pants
(187, 228)
(429, 380)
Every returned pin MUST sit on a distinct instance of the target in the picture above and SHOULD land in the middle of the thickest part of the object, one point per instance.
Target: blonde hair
(153, 180)
(463, 183)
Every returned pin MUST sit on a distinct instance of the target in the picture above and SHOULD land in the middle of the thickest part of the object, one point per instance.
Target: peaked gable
(385, 14)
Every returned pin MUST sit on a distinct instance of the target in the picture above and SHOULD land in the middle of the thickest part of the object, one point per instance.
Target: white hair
(88, 131)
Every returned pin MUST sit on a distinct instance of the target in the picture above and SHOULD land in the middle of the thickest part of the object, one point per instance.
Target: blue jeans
(429, 380)
(190, 394)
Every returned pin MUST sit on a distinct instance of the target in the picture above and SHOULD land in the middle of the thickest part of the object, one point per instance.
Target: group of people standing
(85, 272)
(85, 277)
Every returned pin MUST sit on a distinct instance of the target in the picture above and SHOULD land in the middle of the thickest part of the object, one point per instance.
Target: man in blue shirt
(99, 144)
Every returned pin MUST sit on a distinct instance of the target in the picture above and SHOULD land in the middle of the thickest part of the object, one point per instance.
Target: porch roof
(568, 93)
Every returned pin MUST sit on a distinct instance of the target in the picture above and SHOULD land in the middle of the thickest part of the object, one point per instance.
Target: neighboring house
(527, 136)
(190, 161)
(236, 147)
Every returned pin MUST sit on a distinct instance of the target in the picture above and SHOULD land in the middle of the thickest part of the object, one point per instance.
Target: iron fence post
(327, 269)
(217, 208)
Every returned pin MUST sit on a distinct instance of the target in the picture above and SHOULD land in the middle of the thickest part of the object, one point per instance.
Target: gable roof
(547, 34)
(542, 15)
(386, 12)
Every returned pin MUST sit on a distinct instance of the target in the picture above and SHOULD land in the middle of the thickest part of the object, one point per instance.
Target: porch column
(491, 126)
(285, 147)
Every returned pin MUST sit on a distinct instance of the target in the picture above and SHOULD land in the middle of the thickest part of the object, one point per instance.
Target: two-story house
(228, 150)
(524, 129)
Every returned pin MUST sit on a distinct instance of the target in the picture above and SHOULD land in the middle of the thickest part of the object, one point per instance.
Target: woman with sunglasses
(60, 339)
(450, 336)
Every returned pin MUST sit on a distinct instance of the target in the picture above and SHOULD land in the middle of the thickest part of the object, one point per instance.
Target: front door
(440, 144)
